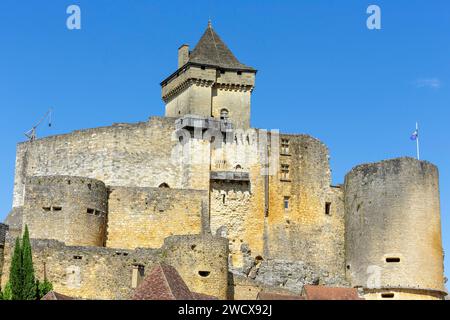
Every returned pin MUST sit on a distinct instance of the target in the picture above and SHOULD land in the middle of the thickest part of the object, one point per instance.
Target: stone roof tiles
(163, 283)
(330, 293)
(53, 295)
(211, 50)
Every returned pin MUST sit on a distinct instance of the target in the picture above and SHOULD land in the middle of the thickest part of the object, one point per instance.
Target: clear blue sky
(321, 72)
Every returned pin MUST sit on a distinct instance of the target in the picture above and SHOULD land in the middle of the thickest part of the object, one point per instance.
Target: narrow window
(89, 186)
(57, 208)
(393, 260)
(286, 203)
(223, 198)
(78, 257)
(284, 146)
(387, 295)
(328, 208)
(284, 172)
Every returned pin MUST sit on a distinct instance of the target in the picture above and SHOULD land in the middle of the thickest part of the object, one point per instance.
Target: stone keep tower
(210, 82)
(393, 230)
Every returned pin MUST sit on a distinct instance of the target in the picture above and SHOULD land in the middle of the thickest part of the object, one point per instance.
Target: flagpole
(417, 141)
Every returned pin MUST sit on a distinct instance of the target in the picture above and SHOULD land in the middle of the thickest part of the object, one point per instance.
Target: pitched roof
(53, 295)
(202, 296)
(211, 50)
(163, 283)
(330, 293)
(277, 296)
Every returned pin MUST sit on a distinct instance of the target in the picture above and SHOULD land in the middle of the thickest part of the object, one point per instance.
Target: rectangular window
(284, 146)
(328, 208)
(284, 172)
(46, 208)
(387, 295)
(89, 210)
(57, 208)
(286, 203)
(393, 260)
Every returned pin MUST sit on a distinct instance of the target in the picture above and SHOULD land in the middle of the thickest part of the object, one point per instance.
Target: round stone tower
(393, 230)
(65, 208)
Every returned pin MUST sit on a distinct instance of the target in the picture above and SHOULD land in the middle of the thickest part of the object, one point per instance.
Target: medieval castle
(236, 210)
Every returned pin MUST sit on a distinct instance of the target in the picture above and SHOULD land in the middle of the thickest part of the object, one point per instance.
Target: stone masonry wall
(106, 273)
(144, 217)
(66, 208)
(3, 231)
(393, 228)
(304, 231)
(135, 155)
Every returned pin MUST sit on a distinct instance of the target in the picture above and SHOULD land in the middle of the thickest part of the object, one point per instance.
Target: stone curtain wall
(237, 207)
(106, 273)
(303, 231)
(392, 211)
(135, 155)
(144, 217)
(65, 208)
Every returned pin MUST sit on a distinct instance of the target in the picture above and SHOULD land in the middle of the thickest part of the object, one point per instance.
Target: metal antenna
(31, 134)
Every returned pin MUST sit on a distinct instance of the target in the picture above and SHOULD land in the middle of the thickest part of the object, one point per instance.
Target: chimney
(183, 55)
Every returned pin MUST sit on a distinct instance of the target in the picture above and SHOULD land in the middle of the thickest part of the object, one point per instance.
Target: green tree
(7, 294)
(22, 284)
(29, 281)
(43, 288)
(16, 272)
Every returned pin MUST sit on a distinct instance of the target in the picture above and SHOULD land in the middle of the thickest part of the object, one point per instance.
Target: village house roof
(165, 283)
(330, 293)
(53, 295)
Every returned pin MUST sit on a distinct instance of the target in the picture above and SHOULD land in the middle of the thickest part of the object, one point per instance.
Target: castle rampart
(108, 273)
(144, 217)
(135, 155)
(167, 185)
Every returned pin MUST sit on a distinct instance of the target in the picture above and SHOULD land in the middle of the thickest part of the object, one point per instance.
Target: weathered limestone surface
(106, 273)
(66, 208)
(393, 227)
(267, 194)
(144, 217)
